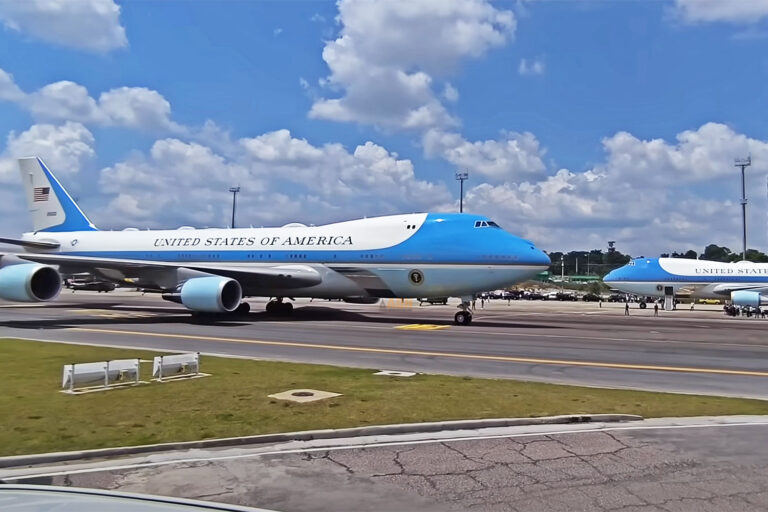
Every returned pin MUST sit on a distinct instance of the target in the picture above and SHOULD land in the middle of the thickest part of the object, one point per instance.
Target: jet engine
(747, 298)
(214, 294)
(29, 282)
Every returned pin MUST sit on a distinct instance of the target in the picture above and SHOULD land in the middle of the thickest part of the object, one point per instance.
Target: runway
(576, 343)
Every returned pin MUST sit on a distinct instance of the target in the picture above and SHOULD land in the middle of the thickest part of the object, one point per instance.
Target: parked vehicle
(591, 297)
(434, 300)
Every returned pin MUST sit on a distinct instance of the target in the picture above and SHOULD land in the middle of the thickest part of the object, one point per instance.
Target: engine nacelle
(29, 282)
(214, 294)
(747, 298)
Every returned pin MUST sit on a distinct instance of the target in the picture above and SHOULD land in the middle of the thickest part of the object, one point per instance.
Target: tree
(714, 252)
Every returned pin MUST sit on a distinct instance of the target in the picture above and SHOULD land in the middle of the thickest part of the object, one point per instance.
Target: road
(654, 466)
(698, 351)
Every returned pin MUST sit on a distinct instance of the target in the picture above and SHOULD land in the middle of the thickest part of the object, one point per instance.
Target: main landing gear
(463, 317)
(279, 308)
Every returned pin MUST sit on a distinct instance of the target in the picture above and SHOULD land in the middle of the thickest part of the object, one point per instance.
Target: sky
(578, 121)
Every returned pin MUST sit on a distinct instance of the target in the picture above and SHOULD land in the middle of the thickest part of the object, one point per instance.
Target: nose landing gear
(463, 317)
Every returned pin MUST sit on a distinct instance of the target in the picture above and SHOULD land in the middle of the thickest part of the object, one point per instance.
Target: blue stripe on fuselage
(649, 270)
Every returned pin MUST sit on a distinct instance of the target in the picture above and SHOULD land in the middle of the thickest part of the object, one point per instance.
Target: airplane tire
(463, 318)
(643, 305)
(271, 307)
(286, 309)
(243, 309)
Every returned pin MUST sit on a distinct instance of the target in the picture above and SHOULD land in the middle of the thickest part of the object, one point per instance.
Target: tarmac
(701, 351)
(653, 465)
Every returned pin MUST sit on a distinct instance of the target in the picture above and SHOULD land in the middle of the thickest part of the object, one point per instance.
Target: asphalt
(700, 351)
(698, 464)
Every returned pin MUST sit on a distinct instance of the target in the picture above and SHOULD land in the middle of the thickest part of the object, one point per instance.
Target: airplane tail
(51, 207)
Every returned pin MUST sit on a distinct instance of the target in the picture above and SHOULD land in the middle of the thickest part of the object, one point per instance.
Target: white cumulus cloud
(132, 107)
(389, 51)
(91, 25)
(731, 11)
(512, 156)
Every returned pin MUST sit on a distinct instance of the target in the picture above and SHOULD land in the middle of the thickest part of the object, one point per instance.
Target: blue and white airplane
(213, 270)
(743, 283)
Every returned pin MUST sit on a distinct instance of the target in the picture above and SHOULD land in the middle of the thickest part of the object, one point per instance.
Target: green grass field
(35, 417)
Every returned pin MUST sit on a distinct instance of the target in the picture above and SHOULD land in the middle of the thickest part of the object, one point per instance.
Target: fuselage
(410, 255)
(700, 278)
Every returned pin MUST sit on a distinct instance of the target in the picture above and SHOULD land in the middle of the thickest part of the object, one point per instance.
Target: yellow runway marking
(422, 327)
(508, 359)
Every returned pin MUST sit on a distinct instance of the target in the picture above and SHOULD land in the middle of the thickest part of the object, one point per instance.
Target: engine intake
(214, 294)
(29, 282)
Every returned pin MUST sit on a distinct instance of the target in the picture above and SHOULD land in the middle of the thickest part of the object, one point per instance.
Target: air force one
(213, 270)
(743, 283)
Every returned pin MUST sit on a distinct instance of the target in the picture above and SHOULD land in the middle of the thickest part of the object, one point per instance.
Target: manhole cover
(302, 393)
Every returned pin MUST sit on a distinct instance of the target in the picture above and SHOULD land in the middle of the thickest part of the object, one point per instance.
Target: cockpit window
(632, 263)
(485, 224)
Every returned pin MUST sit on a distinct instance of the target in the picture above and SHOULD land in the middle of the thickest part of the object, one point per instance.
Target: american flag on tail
(40, 194)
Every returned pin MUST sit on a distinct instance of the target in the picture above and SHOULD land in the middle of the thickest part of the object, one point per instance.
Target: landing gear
(243, 309)
(279, 308)
(464, 317)
(643, 305)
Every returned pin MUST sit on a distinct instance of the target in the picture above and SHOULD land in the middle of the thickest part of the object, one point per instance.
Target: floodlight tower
(461, 177)
(743, 163)
(234, 191)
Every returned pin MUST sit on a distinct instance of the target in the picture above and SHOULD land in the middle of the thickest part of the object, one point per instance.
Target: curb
(308, 435)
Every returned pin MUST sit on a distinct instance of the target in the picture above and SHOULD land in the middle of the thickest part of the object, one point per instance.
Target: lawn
(35, 417)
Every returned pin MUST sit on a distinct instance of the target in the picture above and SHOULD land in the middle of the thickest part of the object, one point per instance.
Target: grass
(36, 418)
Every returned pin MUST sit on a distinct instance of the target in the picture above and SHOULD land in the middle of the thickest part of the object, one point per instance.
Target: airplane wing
(252, 277)
(30, 243)
(725, 289)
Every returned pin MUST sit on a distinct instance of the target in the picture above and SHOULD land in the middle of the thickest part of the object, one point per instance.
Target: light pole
(743, 163)
(460, 177)
(234, 191)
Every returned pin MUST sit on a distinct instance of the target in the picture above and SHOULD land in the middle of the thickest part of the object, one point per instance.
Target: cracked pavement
(655, 469)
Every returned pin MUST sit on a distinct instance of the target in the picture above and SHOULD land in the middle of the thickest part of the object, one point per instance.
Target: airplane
(743, 283)
(213, 270)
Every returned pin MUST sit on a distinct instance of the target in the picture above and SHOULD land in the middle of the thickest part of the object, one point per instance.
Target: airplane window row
(410, 226)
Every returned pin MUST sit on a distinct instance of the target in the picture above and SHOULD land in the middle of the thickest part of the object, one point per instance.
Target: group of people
(749, 312)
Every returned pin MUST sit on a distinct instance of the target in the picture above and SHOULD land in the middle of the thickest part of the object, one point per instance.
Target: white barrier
(99, 376)
(176, 366)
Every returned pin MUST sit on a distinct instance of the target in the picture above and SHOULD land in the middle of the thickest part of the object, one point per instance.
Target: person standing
(626, 309)
(655, 309)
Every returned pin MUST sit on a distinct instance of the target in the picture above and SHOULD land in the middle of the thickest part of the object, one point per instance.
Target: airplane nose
(538, 257)
(610, 276)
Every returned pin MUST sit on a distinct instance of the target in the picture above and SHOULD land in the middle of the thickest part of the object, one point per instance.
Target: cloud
(513, 156)
(132, 107)
(450, 93)
(389, 51)
(91, 25)
(702, 11)
(9, 91)
(534, 67)
(283, 178)
(64, 148)
(644, 194)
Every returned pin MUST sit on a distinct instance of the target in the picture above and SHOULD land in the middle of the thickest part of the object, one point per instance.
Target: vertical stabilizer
(51, 207)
